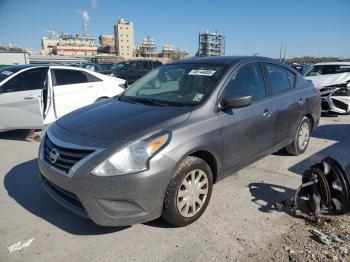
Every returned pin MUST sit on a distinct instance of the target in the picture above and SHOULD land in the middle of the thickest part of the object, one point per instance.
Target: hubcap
(192, 193)
(303, 136)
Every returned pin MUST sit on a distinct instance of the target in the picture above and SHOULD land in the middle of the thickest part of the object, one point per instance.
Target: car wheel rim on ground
(192, 193)
(303, 136)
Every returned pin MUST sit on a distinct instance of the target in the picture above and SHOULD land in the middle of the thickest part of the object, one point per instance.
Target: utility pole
(285, 51)
(280, 52)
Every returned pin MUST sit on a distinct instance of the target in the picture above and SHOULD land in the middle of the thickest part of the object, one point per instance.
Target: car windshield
(175, 85)
(327, 70)
(120, 66)
(6, 72)
(90, 67)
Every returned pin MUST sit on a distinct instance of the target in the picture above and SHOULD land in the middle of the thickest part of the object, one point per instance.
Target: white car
(32, 96)
(333, 80)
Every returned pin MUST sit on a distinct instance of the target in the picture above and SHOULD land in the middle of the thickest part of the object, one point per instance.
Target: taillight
(317, 91)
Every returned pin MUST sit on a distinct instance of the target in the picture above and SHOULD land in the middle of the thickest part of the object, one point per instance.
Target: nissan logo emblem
(54, 155)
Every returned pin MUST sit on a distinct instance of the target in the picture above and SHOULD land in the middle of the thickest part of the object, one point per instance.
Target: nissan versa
(156, 149)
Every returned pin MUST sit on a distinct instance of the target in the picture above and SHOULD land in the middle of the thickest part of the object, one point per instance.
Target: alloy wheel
(303, 136)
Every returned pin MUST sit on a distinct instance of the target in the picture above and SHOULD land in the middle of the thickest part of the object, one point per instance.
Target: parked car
(32, 96)
(333, 80)
(134, 69)
(102, 68)
(301, 68)
(156, 151)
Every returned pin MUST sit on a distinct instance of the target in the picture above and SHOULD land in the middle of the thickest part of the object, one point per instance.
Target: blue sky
(307, 27)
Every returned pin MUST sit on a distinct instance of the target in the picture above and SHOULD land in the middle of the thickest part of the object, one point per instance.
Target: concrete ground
(238, 225)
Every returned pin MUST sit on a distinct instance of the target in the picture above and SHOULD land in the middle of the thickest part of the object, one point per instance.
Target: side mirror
(236, 102)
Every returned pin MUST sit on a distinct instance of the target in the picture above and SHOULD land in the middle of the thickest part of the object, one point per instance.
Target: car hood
(117, 120)
(329, 80)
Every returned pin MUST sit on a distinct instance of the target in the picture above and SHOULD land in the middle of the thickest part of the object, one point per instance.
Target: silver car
(158, 148)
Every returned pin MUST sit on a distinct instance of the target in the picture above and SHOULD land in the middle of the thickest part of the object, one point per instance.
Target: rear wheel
(301, 139)
(188, 193)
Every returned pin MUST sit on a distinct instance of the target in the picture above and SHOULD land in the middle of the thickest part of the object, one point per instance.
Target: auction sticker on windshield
(201, 72)
(8, 73)
(197, 97)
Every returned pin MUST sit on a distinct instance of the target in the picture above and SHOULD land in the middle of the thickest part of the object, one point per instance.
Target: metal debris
(325, 186)
(345, 238)
(20, 245)
(323, 238)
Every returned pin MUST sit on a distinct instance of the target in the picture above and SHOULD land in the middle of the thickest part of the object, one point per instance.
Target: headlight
(134, 157)
(123, 86)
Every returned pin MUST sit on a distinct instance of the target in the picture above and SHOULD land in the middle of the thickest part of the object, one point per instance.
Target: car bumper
(335, 104)
(110, 201)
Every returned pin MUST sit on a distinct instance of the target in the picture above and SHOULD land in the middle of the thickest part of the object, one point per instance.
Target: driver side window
(32, 79)
(248, 80)
(139, 66)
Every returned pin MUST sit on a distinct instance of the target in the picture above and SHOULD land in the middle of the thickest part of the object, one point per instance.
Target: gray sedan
(157, 149)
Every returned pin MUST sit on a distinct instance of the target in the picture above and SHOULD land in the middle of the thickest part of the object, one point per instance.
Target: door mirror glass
(236, 102)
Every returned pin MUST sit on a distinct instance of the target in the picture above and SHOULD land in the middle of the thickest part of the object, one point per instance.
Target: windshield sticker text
(201, 72)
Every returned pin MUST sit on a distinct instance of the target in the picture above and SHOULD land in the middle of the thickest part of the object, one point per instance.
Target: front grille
(67, 157)
(65, 195)
(68, 196)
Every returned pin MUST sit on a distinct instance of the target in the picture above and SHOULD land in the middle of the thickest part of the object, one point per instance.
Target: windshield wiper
(150, 101)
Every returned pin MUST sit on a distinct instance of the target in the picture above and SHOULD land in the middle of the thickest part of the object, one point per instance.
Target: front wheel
(188, 193)
(301, 139)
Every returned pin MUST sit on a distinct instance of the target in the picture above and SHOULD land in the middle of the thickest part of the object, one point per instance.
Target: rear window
(280, 79)
(70, 77)
(327, 70)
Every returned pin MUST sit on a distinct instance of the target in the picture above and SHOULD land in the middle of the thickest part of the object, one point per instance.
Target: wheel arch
(312, 121)
(209, 158)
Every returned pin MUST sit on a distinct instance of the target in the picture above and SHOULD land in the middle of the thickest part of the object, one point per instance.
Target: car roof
(228, 60)
(21, 67)
(333, 63)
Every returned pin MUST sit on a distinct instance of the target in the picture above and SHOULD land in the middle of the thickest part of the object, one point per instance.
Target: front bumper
(335, 104)
(109, 201)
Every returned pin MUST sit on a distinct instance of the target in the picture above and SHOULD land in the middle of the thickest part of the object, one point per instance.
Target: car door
(290, 102)
(21, 105)
(137, 70)
(73, 89)
(247, 133)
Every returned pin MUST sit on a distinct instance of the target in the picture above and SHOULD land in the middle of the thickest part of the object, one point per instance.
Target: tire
(297, 147)
(173, 201)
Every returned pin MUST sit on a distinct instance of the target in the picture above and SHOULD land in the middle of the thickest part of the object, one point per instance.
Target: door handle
(30, 97)
(301, 101)
(90, 86)
(267, 113)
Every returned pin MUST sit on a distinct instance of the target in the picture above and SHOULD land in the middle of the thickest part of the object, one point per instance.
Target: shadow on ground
(340, 150)
(266, 195)
(21, 135)
(23, 185)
